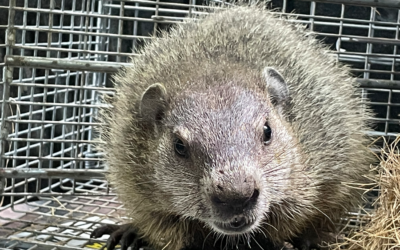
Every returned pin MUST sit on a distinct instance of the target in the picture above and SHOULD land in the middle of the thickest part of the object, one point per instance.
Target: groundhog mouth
(238, 225)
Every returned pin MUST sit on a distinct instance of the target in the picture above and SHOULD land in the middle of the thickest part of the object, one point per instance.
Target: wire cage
(57, 57)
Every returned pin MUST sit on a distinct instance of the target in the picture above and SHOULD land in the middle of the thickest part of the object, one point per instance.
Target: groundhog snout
(235, 196)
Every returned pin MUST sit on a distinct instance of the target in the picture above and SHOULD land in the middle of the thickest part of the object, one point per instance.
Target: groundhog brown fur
(236, 127)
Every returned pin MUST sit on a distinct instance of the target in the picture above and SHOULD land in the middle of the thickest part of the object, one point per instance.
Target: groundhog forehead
(229, 103)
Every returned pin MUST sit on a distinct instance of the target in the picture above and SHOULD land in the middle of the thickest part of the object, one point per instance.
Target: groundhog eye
(180, 147)
(267, 134)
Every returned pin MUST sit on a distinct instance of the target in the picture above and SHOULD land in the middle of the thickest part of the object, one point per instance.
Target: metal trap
(57, 57)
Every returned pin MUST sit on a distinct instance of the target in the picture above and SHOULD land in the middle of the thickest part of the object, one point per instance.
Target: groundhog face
(225, 153)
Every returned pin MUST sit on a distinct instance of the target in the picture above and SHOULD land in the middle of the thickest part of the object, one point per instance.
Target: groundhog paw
(125, 235)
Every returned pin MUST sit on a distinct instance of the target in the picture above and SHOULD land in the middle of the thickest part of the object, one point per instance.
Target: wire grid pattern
(366, 39)
(59, 58)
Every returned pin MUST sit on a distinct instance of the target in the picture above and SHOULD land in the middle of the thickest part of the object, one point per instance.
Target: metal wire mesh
(59, 55)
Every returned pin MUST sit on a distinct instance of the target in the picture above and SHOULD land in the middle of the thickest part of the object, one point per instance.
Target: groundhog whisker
(221, 238)
(260, 230)
(205, 239)
(268, 224)
(247, 239)
(254, 239)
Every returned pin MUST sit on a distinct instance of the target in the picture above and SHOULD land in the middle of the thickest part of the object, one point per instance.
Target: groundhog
(236, 130)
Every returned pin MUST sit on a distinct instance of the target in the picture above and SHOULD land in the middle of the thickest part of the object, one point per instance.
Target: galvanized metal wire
(58, 58)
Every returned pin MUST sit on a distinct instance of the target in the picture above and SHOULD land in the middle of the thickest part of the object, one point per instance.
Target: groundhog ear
(276, 87)
(153, 103)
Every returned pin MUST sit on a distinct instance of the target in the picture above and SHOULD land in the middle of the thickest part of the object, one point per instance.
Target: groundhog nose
(236, 202)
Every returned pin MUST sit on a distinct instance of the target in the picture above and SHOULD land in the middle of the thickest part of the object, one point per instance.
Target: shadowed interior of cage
(59, 56)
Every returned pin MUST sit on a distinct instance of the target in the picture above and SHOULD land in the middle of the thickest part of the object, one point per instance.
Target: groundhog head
(225, 152)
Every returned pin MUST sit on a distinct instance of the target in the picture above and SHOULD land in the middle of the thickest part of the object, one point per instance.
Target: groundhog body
(234, 125)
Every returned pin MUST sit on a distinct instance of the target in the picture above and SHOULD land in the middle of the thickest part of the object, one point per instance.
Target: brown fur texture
(216, 100)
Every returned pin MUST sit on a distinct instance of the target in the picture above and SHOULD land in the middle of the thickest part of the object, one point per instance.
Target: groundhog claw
(125, 235)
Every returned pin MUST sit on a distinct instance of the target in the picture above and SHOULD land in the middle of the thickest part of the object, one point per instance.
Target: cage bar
(57, 58)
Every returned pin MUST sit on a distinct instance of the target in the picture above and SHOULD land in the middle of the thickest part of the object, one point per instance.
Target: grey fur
(219, 111)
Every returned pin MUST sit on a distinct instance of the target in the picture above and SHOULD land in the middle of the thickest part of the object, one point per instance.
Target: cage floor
(58, 223)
